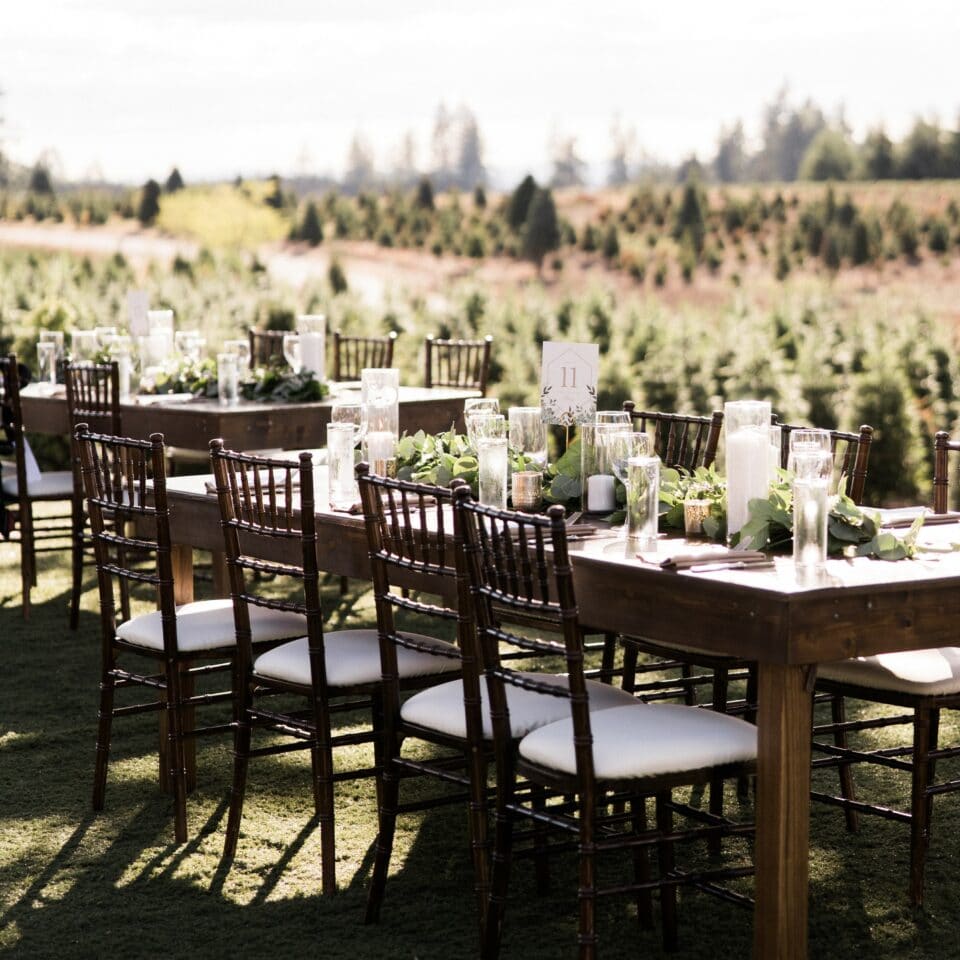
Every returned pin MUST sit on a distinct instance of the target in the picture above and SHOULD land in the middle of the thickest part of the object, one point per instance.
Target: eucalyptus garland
(264, 384)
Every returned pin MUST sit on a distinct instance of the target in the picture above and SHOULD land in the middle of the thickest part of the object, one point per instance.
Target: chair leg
(629, 678)
(389, 793)
(668, 892)
(241, 761)
(28, 558)
(476, 764)
(920, 803)
(721, 682)
(838, 714)
(322, 757)
(344, 586)
(538, 799)
(689, 694)
(641, 864)
(77, 557)
(750, 715)
(178, 766)
(104, 723)
(609, 656)
(500, 868)
(587, 894)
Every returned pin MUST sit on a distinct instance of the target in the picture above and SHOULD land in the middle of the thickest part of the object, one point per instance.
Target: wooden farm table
(246, 426)
(862, 607)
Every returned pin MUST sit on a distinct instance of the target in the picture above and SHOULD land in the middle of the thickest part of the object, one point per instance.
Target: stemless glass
(478, 407)
(493, 471)
(83, 345)
(55, 337)
(189, 344)
(241, 349)
(291, 351)
(528, 434)
(622, 446)
(47, 364)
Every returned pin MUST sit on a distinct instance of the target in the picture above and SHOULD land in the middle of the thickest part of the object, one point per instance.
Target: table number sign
(568, 382)
(138, 303)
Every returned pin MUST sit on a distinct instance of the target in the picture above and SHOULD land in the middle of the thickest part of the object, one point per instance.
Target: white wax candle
(312, 354)
(601, 493)
(748, 473)
(381, 445)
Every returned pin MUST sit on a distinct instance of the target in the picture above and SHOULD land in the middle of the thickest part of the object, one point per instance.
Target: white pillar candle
(748, 473)
(601, 493)
(312, 354)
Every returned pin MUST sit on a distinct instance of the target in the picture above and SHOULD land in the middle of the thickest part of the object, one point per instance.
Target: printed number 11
(570, 381)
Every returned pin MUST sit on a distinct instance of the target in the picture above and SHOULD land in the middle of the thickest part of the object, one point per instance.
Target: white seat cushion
(441, 708)
(659, 739)
(53, 483)
(353, 657)
(926, 672)
(208, 624)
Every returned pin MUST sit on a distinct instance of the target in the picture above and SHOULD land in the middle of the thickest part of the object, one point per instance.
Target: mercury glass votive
(527, 491)
(694, 513)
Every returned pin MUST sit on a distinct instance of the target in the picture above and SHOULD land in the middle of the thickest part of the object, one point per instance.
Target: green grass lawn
(75, 884)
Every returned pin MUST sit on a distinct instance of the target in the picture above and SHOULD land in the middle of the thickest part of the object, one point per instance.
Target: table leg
(783, 813)
(221, 578)
(182, 562)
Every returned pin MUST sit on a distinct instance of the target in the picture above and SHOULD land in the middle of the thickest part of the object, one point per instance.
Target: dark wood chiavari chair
(457, 363)
(93, 398)
(353, 354)
(680, 440)
(125, 484)
(923, 681)
(518, 568)
(851, 455)
(266, 347)
(414, 538)
(262, 501)
(21, 489)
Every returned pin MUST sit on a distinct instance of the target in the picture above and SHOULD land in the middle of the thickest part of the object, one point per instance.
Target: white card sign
(138, 303)
(568, 382)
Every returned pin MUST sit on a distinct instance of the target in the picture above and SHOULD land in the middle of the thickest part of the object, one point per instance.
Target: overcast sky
(224, 87)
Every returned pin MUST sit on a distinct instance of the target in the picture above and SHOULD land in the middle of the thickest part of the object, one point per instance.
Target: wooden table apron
(784, 628)
(248, 425)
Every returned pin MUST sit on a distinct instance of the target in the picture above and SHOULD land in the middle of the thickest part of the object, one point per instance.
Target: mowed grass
(222, 216)
(76, 884)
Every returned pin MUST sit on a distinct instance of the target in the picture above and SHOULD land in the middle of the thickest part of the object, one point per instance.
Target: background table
(246, 426)
(862, 607)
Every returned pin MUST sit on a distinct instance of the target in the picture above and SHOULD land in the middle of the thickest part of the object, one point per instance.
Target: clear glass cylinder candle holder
(160, 324)
(83, 345)
(380, 397)
(598, 490)
(528, 434)
(342, 478)
(493, 471)
(228, 380)
(121, 350)
(747, 428)
(643, 501)
(242, 350)
(312, 328)
(47, 363)
(380, 451)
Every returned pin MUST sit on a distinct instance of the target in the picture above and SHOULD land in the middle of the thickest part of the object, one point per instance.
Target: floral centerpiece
(264, 384)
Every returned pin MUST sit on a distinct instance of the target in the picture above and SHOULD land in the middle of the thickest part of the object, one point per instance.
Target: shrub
(149, 206)
(611, 243)
(424, 197)
(336, 277)
(310, 228)
(541, 233)
(518, 209)
(938, 236)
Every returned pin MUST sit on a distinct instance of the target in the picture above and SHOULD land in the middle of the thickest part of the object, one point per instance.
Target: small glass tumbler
(349, 412)
(228, 380)
(242, 350)
(643, 501)
(493, 468)
(343, 482)
(527, 490)
(121, 350)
